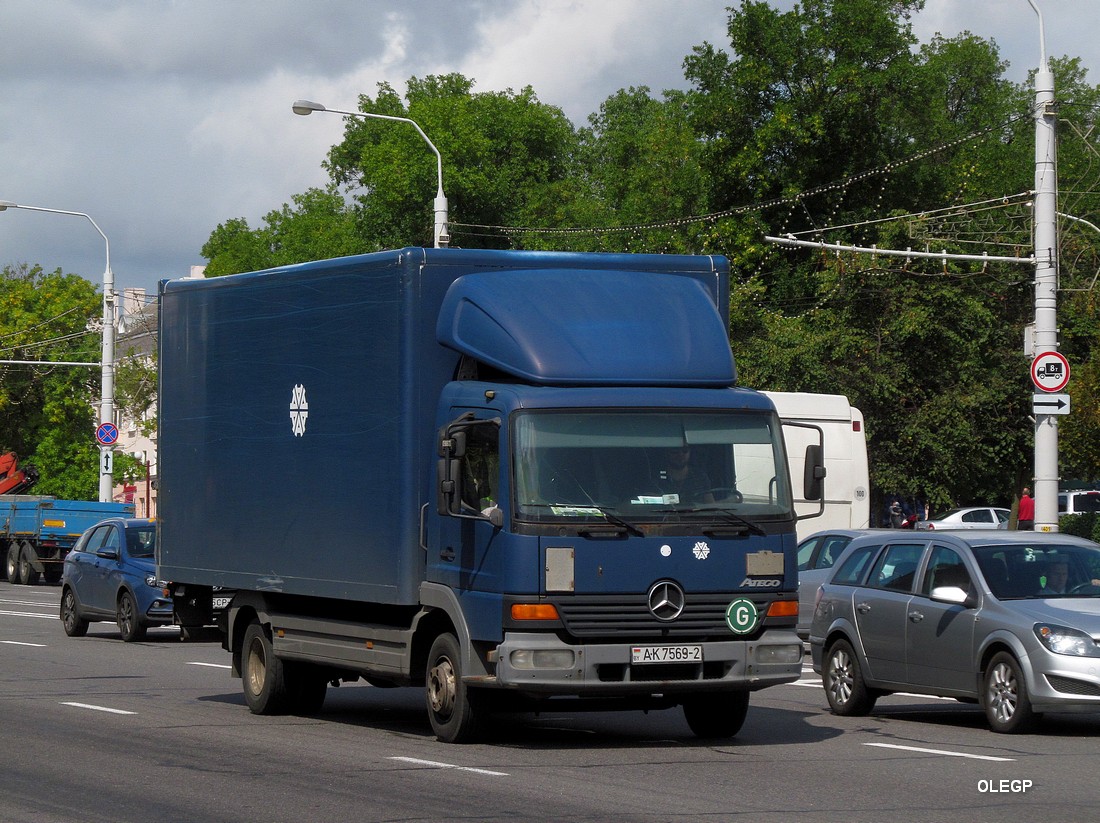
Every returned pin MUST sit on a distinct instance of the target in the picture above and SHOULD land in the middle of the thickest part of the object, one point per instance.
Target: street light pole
(442, 238)
(107, 359)
(1046, 280)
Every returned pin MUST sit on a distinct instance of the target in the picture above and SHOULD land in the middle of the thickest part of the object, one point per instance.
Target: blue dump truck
(520, 480)
(37, 531)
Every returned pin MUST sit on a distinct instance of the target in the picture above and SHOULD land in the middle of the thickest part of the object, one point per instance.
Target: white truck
(847, 498)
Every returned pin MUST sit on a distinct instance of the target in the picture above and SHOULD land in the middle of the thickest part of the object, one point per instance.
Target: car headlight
(1063, 640)
(151, 580)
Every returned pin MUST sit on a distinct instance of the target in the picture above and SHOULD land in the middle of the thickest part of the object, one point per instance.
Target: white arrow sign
(1050, 404)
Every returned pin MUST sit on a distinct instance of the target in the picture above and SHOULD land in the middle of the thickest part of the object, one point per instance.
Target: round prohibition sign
(106, 434)
(1050, 371)
(741, 616)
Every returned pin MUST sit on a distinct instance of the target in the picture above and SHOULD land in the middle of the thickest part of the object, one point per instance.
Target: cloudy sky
(160, 120)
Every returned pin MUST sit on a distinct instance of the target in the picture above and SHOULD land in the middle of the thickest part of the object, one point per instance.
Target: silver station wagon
(1010, 620)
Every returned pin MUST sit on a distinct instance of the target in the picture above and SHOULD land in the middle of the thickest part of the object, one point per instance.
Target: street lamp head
(7, 204)
(305, 107)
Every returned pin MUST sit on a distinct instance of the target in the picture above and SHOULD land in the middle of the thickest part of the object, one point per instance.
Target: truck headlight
(1064, 640)
(787, 654)
(542, 658)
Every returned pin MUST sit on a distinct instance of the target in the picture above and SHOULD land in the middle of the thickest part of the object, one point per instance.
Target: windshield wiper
(728, 516)
(611, 518)
(618, 521)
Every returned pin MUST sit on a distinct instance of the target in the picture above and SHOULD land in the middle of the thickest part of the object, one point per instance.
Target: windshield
(649, 465)
(1047, 570)
(141, 541)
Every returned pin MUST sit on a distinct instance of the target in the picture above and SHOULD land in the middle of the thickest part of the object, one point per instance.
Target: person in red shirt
(1025, 516)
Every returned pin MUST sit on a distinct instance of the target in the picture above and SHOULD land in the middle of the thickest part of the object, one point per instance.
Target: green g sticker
(741, 616)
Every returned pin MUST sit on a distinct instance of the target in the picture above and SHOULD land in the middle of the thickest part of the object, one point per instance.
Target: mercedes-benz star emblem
(666, 600)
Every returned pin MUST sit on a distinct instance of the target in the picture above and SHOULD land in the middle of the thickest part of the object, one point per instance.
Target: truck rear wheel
(12, 564)
(28, 574)
(717, 715)
(452, 710)
(262, 673)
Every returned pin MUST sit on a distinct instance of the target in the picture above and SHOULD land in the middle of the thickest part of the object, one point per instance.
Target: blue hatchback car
(110, 575)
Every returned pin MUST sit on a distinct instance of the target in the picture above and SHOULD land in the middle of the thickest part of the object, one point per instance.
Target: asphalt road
(94, 729)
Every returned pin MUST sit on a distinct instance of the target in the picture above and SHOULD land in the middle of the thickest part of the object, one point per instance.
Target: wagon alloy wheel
(452, 709)
(129, 624)
(848, 695)
(70, 619)
(1007, 705)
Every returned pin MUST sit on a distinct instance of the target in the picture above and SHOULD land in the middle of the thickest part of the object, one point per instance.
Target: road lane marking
(21, 643)
(942, 751)
(29, 614)
(418, 762)
(95, 708)
(209, 665)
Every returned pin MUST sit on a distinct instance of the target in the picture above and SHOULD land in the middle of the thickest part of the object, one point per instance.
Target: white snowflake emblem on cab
(701, 550)
(299, 410)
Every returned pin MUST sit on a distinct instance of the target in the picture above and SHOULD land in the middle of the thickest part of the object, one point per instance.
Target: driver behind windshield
(679, 476)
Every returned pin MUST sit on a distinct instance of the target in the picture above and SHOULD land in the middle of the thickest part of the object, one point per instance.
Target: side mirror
(108, 554)
(951, 594)
(449, 486)
(813, 476)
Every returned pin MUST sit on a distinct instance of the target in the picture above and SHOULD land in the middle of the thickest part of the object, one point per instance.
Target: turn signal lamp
(783, 608)
(534, 611)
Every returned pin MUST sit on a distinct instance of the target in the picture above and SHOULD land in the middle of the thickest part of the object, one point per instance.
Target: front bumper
(605, 669)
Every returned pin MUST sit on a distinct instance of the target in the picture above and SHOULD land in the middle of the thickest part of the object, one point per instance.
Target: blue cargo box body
(356, 351)
(42, 518)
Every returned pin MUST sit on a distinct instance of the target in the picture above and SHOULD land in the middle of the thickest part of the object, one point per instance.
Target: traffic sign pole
(1045, 237)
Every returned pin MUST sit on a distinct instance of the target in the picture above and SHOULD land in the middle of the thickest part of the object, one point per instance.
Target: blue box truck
(520, 480)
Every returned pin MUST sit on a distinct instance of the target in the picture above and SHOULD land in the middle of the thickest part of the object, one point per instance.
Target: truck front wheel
(262, 673)
(452, 709)
(717, 715)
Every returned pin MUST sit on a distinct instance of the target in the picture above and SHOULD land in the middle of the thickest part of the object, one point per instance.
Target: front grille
(1069, 685)
(590, 616)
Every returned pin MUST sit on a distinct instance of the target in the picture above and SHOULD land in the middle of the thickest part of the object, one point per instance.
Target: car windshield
(947, 514)
(1046, 570)
(141, 542)
(649, 466)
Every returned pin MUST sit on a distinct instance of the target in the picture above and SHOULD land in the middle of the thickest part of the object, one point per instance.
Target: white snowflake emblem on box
(701, 550)
(299, 410)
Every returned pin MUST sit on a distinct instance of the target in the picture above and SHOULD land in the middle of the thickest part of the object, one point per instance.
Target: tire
(842, 678)
(262, 674)
(306, 687)
(451, 708)
(75, 625)
(129, 620)
(1004, 696)
(717, 715)
(12, 565)
(28, 574)
(52, 575)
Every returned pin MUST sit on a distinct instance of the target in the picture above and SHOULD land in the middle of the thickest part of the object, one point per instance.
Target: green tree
(46, 411)
(501, 151)
(318, 225)
(828, 116)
